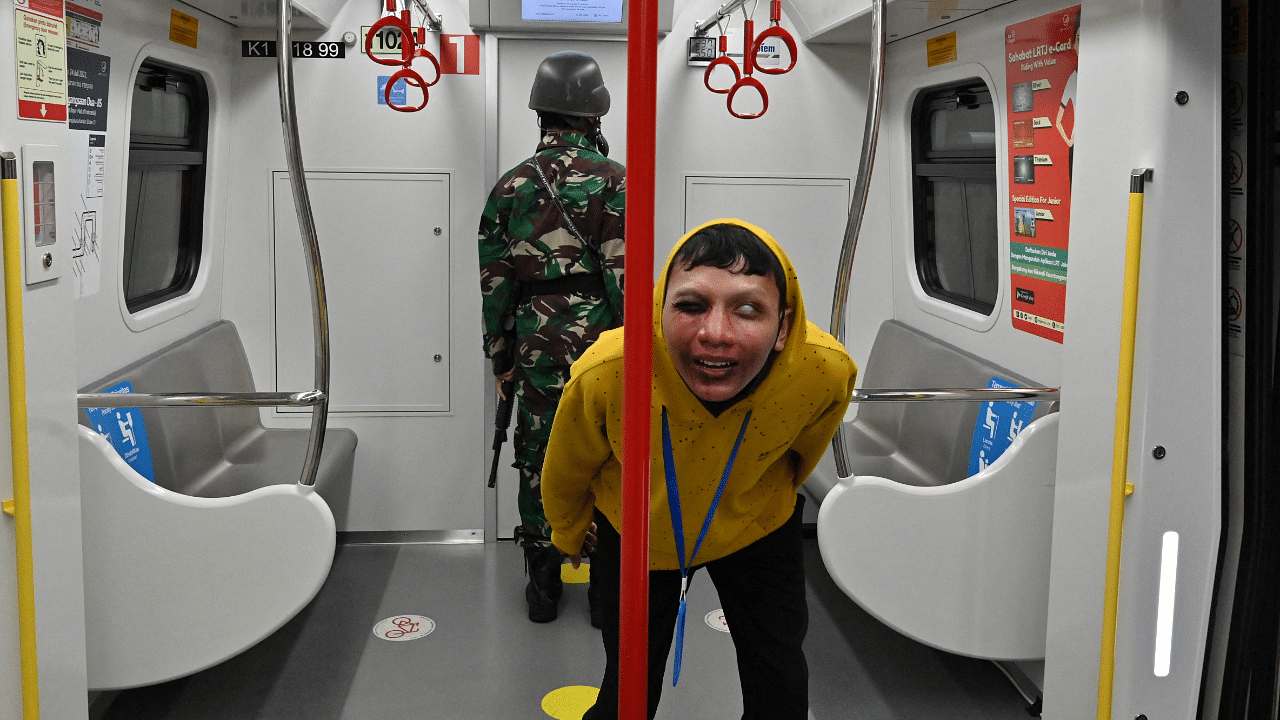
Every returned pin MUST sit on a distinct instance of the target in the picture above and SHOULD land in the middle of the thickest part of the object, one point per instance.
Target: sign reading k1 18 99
(301, 49)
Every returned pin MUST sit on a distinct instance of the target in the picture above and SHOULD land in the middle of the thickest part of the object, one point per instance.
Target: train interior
(1107, 550)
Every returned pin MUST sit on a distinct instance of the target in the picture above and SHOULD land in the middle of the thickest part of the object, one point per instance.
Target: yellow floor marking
(577, 577)
(569, 703)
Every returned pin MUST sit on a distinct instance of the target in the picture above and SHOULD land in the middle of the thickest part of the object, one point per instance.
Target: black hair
(726, 246)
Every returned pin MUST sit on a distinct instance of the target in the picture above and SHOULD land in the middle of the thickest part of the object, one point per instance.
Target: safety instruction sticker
(42, 67)
(404, 627)
(1042, 56)
(997, 426)
(84, 24)
(86, 256)
(941, 49)
(126, 431)
(184, 29)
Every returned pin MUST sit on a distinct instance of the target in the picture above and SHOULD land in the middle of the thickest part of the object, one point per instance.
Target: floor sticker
(715, 621)
(580, 576)
(569, 703)
(404, 627)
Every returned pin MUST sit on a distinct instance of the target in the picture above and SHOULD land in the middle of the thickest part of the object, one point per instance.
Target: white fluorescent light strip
(1164, 611)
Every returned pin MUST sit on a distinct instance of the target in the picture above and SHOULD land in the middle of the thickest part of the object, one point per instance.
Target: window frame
(188, 153)
(928, 166)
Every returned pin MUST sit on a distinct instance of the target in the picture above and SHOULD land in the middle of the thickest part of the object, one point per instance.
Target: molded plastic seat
(224, 451)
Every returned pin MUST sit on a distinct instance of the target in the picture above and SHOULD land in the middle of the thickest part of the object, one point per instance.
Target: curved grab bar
(306, 223)
(858, 205)
(258, 399)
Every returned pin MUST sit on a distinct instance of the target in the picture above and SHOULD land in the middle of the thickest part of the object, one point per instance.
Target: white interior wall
(72, 342)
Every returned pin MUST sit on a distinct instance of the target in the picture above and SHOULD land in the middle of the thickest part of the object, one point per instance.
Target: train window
(954, 161)
(164, 214)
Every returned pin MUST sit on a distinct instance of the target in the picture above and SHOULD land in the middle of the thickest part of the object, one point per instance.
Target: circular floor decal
(715, 621)
(580, 576)
(404, 627)
(569, 703)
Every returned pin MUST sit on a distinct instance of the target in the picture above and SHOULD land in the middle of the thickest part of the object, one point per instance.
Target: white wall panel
(376, 266)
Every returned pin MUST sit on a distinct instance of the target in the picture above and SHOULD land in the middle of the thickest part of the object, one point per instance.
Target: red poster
(1041, 91)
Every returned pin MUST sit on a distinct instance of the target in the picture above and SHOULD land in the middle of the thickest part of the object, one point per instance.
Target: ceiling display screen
(593, 11)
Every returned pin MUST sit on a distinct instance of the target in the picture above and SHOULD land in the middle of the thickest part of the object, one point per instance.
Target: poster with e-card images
(1042, 56)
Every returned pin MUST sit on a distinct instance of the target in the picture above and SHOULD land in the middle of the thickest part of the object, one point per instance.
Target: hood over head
(794, 302)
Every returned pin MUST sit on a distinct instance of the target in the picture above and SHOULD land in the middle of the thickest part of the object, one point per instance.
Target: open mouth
(715, 365)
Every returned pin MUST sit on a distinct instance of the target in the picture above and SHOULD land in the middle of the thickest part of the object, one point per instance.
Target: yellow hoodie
(795, 411)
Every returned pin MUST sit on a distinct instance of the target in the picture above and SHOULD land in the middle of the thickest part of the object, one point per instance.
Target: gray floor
(485, 660)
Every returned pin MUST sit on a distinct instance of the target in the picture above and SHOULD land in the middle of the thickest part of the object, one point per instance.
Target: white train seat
(959, 563)
(224, 547)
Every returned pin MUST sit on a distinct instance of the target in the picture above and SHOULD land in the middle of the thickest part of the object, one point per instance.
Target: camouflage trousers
(538, 390)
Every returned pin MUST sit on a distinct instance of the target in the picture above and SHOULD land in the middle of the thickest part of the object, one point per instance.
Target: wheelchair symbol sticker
(404, 627)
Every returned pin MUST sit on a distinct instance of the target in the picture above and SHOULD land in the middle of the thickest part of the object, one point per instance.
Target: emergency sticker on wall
(40, 48)
(997, 426)
(715, 620)
(183, 29)
(404, 627)
(125, 429)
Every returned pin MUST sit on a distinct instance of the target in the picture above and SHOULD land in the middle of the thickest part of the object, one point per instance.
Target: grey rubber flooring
(486, 660)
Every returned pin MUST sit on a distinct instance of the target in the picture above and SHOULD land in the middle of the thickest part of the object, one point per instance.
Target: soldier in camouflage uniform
(551, 275)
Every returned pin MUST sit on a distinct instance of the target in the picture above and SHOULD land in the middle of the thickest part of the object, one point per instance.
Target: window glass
(954, 168)
(164, 218)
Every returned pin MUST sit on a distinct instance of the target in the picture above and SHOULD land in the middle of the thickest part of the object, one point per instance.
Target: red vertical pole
(642, 86)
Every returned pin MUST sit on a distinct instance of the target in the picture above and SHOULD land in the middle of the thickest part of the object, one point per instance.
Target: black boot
(545, 586)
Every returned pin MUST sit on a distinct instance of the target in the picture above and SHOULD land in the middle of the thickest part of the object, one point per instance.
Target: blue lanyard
(677, 523)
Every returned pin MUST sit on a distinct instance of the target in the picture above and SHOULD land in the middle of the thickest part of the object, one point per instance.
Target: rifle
(501, 421)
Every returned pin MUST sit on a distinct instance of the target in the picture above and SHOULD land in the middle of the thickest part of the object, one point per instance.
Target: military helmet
(569, 83)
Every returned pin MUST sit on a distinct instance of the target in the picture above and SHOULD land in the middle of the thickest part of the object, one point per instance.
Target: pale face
(720, 327)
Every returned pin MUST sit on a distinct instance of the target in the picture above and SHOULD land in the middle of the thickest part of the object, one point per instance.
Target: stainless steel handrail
(858, 205)
(725, 10)
(953, 395)
(256, 399)
(307, 225)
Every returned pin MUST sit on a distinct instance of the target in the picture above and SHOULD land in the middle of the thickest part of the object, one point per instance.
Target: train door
(514, 132)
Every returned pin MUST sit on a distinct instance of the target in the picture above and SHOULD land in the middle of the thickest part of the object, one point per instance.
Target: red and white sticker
(715, 621)
(404, 627)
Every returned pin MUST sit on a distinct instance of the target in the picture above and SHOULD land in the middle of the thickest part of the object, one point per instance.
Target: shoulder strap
(564, 213)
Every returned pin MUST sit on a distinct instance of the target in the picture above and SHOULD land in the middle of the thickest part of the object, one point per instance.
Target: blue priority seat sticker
(997, 425)
(125, 429)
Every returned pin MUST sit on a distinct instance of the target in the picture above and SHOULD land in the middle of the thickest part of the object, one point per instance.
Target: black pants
(762, 592)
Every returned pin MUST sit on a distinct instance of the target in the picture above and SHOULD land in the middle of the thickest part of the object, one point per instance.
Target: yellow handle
(1120, 487)
(18, 433)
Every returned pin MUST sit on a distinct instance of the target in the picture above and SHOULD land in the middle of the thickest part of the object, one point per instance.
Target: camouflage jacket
(523, 239)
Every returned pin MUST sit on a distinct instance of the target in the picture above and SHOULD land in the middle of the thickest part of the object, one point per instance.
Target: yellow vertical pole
(9, 194)
(1120, 487)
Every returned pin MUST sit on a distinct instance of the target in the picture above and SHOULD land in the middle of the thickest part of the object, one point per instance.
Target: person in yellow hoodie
(746, 397)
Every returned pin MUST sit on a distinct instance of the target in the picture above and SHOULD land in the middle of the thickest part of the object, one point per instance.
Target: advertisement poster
(1041, 76)
(42, 66)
